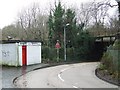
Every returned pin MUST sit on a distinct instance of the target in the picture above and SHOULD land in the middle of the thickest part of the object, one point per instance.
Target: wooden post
(57, 54)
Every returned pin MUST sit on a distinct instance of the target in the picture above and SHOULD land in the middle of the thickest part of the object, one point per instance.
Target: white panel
(40, 54)
(0, 54)
(9, 54)
(20, 55)
(33, 55)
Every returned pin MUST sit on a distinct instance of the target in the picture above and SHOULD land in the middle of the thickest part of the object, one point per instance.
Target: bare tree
(33, 22)
(114, 25)
(99, 12)
(83, 14)
(93, 12)
(94, 15)
(9, 31)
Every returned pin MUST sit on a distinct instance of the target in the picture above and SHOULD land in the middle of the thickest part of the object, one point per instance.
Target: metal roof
(17, 41)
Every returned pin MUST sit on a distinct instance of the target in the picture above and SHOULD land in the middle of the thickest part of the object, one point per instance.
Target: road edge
(46, 66)
(104, 79)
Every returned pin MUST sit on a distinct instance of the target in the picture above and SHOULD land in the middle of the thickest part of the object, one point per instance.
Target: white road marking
(59, 75)
(60, 78)
(75, 87)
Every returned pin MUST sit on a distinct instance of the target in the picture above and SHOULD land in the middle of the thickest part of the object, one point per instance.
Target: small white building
(19, 53)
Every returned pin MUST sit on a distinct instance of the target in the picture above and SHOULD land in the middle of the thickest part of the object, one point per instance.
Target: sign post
(57, 46)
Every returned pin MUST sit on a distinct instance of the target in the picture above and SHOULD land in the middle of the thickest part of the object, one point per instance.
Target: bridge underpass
(101, 44)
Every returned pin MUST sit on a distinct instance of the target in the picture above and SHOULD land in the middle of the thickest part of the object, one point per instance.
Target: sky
(9, 9)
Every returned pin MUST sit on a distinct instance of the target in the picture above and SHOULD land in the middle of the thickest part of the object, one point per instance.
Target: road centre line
(60, 78)
(59, 75)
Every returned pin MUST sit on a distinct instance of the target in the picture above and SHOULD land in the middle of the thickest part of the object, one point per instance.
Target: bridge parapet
(105, 39)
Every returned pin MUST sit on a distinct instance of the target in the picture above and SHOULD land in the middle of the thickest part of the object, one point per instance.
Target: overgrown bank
(109, 68)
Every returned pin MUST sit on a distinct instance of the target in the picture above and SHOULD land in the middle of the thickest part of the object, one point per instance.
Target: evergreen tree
(50, 25)
(58, 19)
(56, 24)
(71, 30)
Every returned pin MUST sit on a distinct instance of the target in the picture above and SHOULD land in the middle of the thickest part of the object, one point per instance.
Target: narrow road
(81, 75)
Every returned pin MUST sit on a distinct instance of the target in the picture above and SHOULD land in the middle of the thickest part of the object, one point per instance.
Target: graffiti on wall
(5, 53)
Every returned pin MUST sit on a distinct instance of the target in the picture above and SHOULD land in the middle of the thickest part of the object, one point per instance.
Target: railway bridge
(101, 44)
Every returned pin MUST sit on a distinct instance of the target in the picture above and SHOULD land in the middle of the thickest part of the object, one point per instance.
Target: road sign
(57, 45)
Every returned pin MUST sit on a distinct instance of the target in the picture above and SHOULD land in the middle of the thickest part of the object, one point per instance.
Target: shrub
(84, 44)
(107, 61)
(61, 53)
(116, 45)
(111, 60)
(70, 54)
(45, 52)
(48, 54)
(102, 67)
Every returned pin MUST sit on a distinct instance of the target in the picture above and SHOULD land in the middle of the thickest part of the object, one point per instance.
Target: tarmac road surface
(81, 75)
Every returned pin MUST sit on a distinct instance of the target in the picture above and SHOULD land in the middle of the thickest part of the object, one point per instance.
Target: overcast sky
(9, 8)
